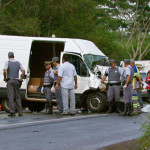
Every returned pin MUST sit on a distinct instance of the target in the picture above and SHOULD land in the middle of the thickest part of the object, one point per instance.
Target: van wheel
(96, 102)
(36, 106)
(5, 105)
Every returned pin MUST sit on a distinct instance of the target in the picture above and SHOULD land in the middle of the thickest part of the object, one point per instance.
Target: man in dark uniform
(48, 82)
(55, 61)
(114, 83)
(11, 76)
(126, 79)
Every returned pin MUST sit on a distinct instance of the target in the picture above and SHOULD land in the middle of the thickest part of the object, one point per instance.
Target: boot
(139, 110)
(125, 110)
(118, 108)
(129, 113)
(110, 107)
(49, 108)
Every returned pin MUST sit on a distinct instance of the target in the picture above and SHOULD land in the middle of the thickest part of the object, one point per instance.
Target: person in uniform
(55, 61)
(48, 83)
(136, 88)
(67, 79)
(126, 79)
(114, 84)
(11, 76)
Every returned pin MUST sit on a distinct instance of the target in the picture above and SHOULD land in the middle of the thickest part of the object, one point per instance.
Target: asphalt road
(81, 132)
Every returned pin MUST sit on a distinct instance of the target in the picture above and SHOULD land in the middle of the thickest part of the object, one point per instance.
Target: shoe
(72, 114)
(64, 114)
(118, 108)
(20, 115)
(125, 110)
(110, 107)
(135, 112)
(11, 115)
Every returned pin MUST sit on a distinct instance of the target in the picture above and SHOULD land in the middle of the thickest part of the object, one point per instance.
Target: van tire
(36, 106)
(96, 102)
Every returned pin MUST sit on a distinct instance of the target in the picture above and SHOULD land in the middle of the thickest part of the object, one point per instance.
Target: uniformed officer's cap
(47, 63)
(131, 60)
(55, 59)
(127, 61)
(10, 54)
(112, 61)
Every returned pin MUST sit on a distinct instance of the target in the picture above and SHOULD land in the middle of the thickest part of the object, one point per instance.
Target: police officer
(48, 83)
(126, 79)
(11, 76)
(114, 83)
(55, 61)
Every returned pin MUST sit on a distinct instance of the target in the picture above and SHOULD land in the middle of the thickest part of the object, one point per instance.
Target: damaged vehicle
(89, 61)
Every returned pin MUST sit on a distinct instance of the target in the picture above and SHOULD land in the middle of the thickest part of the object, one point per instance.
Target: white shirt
(67, 72)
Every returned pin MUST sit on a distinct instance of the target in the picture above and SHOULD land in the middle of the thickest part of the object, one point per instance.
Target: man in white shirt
(67, 79)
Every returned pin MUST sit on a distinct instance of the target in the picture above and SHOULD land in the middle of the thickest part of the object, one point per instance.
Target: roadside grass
(144, 140)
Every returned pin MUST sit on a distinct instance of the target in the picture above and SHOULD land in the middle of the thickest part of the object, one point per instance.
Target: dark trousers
(113, 93)
(48, 94)
(127, 94)
(14, 94)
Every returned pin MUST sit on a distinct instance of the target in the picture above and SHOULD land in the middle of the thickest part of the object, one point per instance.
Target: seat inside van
(34, 83)
(41, 51)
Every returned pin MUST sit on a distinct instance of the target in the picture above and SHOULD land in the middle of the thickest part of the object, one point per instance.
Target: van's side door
(82, 71)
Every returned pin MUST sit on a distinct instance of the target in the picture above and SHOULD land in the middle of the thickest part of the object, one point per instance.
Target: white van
(33, 51)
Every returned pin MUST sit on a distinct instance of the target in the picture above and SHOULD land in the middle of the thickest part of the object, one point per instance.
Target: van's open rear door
(82, 71)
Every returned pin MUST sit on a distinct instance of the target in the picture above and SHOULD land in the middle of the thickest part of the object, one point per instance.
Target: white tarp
(146, 108)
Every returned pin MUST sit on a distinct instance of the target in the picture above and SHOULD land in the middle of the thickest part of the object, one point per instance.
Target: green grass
(144, 140)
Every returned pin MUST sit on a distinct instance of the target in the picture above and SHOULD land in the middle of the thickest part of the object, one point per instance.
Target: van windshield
(92, 60)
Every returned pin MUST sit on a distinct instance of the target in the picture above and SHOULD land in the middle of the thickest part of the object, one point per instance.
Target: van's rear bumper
(37, 97)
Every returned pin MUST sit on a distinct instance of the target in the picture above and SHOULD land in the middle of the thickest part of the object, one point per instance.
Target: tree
(131, 19)
(67, 18)
(137, 31)
(19, 18)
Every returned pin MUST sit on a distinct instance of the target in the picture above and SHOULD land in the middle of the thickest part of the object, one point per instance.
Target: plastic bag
(53, 89)
(146, 108)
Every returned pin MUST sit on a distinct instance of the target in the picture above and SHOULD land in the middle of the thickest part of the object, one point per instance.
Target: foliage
(95, 20)
(144, 141)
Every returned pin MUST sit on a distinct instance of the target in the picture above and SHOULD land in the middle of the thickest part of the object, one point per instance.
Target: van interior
(41, 51)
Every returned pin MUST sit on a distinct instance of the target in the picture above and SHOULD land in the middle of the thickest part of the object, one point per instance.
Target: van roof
(71, 45)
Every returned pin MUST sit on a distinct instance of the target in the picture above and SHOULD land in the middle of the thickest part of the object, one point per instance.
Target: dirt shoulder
(127, 145)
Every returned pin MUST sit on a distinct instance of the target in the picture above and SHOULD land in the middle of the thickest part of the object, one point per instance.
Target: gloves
(102, 87)
(42, 90)
(125, 86)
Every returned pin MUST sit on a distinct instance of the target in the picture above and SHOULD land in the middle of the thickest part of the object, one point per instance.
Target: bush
(144, 140)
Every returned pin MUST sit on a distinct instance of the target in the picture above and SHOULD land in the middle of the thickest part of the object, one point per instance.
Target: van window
(79, 65)
(92, 60)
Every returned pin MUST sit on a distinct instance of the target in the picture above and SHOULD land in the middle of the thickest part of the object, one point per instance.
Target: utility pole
(54, 46)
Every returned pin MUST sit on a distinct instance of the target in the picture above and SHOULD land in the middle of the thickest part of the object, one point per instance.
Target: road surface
(80, 132)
